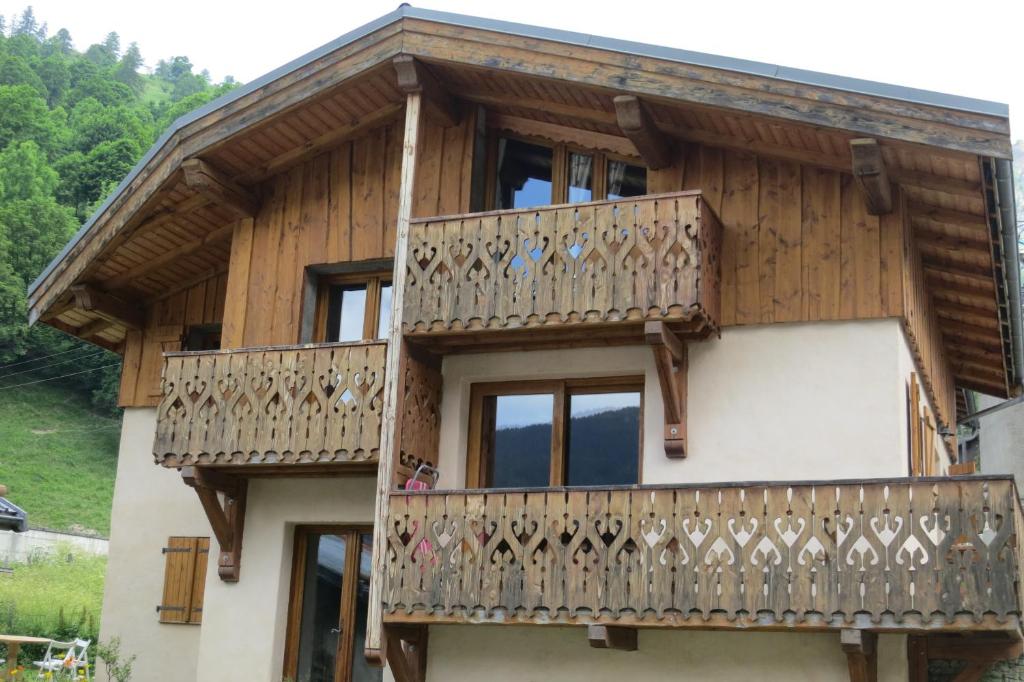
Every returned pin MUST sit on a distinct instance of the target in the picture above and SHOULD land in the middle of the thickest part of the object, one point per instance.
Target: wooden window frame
(559, 166)
(192, 579)
(347, 610)
(477, 457)
(374, 282)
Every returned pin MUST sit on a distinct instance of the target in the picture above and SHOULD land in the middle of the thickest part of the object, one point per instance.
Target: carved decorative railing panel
(279, 405)
(904, 554)
(643, 258)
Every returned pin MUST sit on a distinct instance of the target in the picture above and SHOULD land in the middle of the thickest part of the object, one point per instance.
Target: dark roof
(744, 66)
(12, 517)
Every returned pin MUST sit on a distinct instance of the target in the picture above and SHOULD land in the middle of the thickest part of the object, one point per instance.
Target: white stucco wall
(537, 654)
(775, 402)
(1002, 439)
(150, 505)
(244, 623)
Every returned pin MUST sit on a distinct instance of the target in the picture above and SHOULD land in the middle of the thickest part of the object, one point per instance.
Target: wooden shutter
(914, 422)
(184, 580)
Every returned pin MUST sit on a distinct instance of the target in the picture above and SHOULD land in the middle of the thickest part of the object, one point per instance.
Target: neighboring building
(676, 332)
(1000, 436)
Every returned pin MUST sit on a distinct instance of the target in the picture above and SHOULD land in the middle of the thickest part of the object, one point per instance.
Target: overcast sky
(965, 47)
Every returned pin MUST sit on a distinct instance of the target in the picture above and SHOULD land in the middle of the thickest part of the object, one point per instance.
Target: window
(528, 174)
(328, 605)
(184, 580)
(202, 337)
(575, 432)
(353, 308)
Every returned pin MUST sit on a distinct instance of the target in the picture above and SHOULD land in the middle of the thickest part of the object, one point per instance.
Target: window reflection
(524, 174)
(321, 608)
(521, 440)
(626, 180)
(581, 177)
(346, 312)
(384, 319)
(603, 435)
(362, 671)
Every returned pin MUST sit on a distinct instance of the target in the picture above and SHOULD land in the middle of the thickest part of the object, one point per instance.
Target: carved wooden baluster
(608, 295)
(492, 559)
(1002, 561)
(537, 553)
(589, 264)
(502, 251)
(645, 287)
(475, 538)
(517, 536)
(400, 532)
(618, 553)
(691, 530)
(793, 526)
(742, 515)
(549, 265)
(714, 552)
(170, 412)
(660, 548)
(576, 553)
(451, 552)
(417, 575)
(560, 530)
(566, 265)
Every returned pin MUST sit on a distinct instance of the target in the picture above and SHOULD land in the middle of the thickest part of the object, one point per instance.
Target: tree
(128, 68)
(26, 117)
(24, 172)
(61, 42)
(26, 24)
(16, 71)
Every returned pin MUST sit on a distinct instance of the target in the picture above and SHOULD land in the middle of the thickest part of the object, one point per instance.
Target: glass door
(327, 610)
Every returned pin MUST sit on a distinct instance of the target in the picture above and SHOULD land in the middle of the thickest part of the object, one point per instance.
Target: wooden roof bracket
(861, 649)
(636, 123)
(415, 77)
(671, 361)
(612, 637)
(227, 518)
(203, 178)
(107, 306)
(406, 649)
(871, 175)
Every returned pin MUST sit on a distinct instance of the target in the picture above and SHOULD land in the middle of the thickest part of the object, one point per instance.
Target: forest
(74, 122)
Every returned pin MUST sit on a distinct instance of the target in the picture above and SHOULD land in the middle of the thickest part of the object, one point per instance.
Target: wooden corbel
(860, 647)
(203, 178)
(414, 77)
(612, 637)
(670, 359)
(870, 174)
(636, 123)
(406, 647)
(227, 518)
(107, 306)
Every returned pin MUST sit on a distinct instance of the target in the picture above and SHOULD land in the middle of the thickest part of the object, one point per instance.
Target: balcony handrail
(895, 480)
(554, 207)
(282, 347)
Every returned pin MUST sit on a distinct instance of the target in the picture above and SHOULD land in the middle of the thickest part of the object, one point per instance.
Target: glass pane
(604, 439)
(346, 312)
(625, 180)
(521, 449)
(384, 316)
(321, 608)
(581, 177)
(361, 670)
(524, 174)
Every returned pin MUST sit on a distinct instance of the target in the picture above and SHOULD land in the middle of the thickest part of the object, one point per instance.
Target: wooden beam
(559, 133)
(107, 306)
(860, 647)
(407, 652)
(210, 238)
(219, 189)
(871, 175)
(414, 77)
(94, 328)
(376, 643)
(612, 637)
(227, 518)
(935, 183)
(636, 123)
(671, 361)
(947, 216)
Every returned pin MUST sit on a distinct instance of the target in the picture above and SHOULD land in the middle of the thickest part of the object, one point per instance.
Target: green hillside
(57, 456)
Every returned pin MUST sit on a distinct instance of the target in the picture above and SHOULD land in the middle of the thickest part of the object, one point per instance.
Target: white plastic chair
(82, 657)
(59, 656)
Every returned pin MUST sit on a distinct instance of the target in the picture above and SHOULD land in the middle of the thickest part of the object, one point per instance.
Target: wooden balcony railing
(604, 263)
(902, 554)
(295, 405)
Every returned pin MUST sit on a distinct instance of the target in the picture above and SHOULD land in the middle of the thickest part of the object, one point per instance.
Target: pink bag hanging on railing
(424, 549)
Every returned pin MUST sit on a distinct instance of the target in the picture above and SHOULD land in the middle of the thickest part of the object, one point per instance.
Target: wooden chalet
(349, 294)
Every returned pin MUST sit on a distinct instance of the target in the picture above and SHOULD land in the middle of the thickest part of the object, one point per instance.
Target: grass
(58, 457)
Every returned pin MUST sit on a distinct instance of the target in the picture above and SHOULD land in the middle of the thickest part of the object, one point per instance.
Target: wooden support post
(389, 446)
(107, 306)
(227, 519)
(415, 78)
(636, 123)
(612, 637)
(861, 654)
(671, 360)
(218, 188)
(871, 175)
(407, 652)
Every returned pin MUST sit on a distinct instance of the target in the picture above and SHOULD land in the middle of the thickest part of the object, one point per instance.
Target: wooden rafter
(415, 77)
(860, 647)
(871, 175)
(671, 360)
(947, 216)
(219, 189)
(94, 328)
(612, 637)
(407, 652)
(636, 123)
(227, 518)
(107, 306)
(214, 237)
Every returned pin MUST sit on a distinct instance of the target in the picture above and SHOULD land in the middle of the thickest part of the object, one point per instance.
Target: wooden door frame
(347, 608)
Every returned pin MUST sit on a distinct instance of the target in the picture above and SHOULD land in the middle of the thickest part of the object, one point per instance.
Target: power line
(44, 357)
(65, 376)
(56, 364)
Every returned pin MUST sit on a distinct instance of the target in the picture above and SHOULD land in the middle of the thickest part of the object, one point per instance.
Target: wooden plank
(374, 630)
(237, 295)
(788, 278)
(740, 220)
(368, 155)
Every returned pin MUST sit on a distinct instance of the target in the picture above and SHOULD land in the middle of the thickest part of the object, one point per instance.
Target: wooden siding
(166, 322)
(335, 208)
(902, 554)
